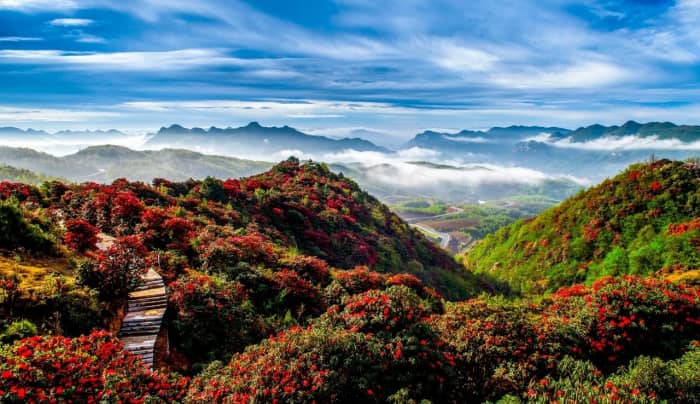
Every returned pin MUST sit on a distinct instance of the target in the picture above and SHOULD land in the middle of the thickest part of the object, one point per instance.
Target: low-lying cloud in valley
(618, 143)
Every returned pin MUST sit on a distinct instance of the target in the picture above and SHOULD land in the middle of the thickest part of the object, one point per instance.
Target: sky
(336, 66)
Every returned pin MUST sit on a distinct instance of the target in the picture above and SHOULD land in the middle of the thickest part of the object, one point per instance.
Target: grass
(34, 273)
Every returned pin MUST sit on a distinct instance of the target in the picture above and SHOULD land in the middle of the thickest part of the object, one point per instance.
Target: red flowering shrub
(350, 282)
(80, 235)
(91, 368)
(297, 294)
(682, 228)
(498, 346)
(20, 192)
(212, 319)
(631, 316)
(151, 227)
(340, 359)
(117, 270)
(359, 279)
(310, 268)
(126, 211)
(179, 233)
(223, 254)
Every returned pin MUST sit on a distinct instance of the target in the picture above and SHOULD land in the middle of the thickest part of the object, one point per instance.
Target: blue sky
(395, 66)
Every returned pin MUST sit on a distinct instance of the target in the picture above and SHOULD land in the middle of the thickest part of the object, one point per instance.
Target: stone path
(144, 317)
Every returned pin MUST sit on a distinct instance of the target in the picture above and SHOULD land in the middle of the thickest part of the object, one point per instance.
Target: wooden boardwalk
(144, 317)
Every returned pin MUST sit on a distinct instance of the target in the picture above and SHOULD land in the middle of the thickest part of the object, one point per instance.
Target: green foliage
(18, 330)
(17, 231)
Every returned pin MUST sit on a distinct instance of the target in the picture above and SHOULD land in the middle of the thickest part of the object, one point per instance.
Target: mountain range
(256, 140)
(589, 154)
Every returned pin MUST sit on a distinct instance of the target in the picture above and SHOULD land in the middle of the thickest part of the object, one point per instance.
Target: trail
(144, 315)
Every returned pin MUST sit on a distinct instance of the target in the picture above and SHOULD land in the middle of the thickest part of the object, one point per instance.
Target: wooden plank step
(144, 317)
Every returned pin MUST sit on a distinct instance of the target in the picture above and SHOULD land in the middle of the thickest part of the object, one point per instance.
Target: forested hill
(644, 221)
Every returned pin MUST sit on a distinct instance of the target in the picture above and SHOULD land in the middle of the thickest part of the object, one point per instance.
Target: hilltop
(643, 221)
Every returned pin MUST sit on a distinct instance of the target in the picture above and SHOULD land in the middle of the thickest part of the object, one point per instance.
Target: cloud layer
(620, 143)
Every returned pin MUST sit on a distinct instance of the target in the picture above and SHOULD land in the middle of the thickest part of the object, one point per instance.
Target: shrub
(499, 346)
(118, 270)
(625, 317)
(16, 231)
(80, 235)
(312, 269)
(222, 254)
(339, 358)
(91, 368)
(212, 318)
(18, 330)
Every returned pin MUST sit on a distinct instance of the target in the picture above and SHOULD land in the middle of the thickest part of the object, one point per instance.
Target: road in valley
(444, 237)
(419, 222)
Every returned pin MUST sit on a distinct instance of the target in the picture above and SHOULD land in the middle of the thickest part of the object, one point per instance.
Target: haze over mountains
(466, 165)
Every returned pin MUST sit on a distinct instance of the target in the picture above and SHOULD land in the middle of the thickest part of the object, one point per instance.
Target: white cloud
(620, 143)
(183, 59)
(395, 169)
(71, 22)
(12, 115)
(587, 74)
(453, 56)
(88, 38)
(20, 39)
(418, 153)
(464, 139)
(38, 5)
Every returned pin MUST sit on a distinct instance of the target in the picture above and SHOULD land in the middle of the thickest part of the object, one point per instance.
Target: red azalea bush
(117, 270)
(89, 369)
(498, 346)
(337, 360)
(359, 279)
(211, 318)
(222, 254)
(625, 317)
(350, 282)
(126, 211)
(80, 235)
(298, 295)
(312, 269)
(9, 292)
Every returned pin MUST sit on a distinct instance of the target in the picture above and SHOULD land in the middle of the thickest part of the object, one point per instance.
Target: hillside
(107, 163)
(644, 222)
(11, 174)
